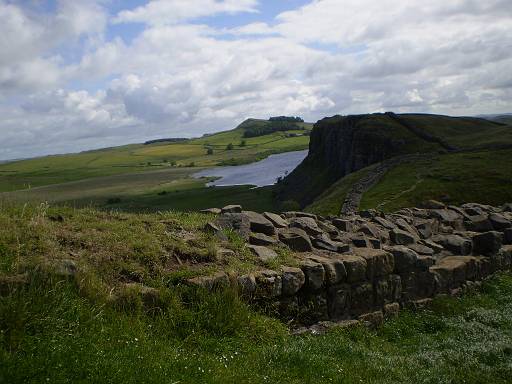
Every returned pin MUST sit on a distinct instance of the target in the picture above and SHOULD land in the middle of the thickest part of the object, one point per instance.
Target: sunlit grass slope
(138, 157)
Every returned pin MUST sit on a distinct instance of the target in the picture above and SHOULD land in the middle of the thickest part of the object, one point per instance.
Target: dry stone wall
(368, 265)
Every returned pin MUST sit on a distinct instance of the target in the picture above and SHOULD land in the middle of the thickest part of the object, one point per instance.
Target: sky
(84, 74)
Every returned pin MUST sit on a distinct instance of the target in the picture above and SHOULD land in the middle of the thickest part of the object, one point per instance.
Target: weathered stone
(375, 243)
(451, 272)
(499, 222)
(259, 224)
(425, 228)
(314, 273)
(401, 237)
(433, 204)
(507, 236)
(212, 211)
(277, 220)
(360, 241)
(378, 261)
(421, 249)
(343, 225)
(263, 253)
(328, 228)
(424, 263)
(361, 298)
(335, 271)
(296, 239)
(391, 310)
(385, 223)
(237, 222)
(405, 258)
(478, 223)
(292, 214)
(404, 225)
(338, 301)
(370, 230)
(381, 291)
(373, 319)
(447, 216)
(292, 280)
(268, 284)
(232, 209)
(313, 307)
(488, 243)
(455, 244)
(419, 284)
(247, 284)
(433, 245)
(329, 245)
(355, 267)
(395, 287)
(217, 280)
(307, 224)
(261, 239)
(212, 228)
(223, 253)
(418, 305)
(506, 256)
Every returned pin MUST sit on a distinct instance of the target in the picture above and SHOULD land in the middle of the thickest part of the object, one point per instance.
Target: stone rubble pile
(368, 265)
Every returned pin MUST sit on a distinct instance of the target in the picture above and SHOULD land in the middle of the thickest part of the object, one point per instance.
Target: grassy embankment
(457, 178)
(136, 174)
(88, 329)
(481, 173)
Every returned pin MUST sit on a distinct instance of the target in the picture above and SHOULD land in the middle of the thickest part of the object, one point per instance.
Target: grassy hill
(138, 173)
(140, 158)
(471, 161)
(94, 326)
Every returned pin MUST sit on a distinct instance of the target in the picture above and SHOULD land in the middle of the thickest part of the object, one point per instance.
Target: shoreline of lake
(260, 174)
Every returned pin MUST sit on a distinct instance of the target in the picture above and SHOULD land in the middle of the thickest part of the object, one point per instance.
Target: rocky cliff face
(344, 144)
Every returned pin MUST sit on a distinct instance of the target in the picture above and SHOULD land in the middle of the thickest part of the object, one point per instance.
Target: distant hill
(228, 147)
(342, 145)
(505, 118)
(168, 140)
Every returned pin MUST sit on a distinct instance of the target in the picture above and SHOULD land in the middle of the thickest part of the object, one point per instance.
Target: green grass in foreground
(48, 333)
(94, 328)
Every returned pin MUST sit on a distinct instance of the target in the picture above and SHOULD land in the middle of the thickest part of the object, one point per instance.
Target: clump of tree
(243, 143)
(290, 119)
(209, 151)
(275, 124)
(230, 147)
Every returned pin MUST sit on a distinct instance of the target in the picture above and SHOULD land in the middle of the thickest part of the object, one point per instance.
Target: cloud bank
(83, 74)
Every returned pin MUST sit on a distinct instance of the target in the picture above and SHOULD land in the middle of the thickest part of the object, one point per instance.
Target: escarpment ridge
(341, 145)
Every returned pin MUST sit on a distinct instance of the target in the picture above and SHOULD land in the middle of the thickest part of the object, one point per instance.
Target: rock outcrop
(368, 265)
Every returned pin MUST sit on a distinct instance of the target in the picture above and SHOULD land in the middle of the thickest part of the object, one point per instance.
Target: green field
(138, 158)
(457, 178)
(149, 177)
(483, 177)
(91, 329)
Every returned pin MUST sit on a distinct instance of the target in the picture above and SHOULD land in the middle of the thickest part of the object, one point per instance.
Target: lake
(260, 174)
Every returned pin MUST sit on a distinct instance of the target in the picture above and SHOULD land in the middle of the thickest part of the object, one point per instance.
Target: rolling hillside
(469, 159)
(141, 158)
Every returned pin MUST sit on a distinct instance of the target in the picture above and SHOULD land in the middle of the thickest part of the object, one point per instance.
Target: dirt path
(354, 196)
